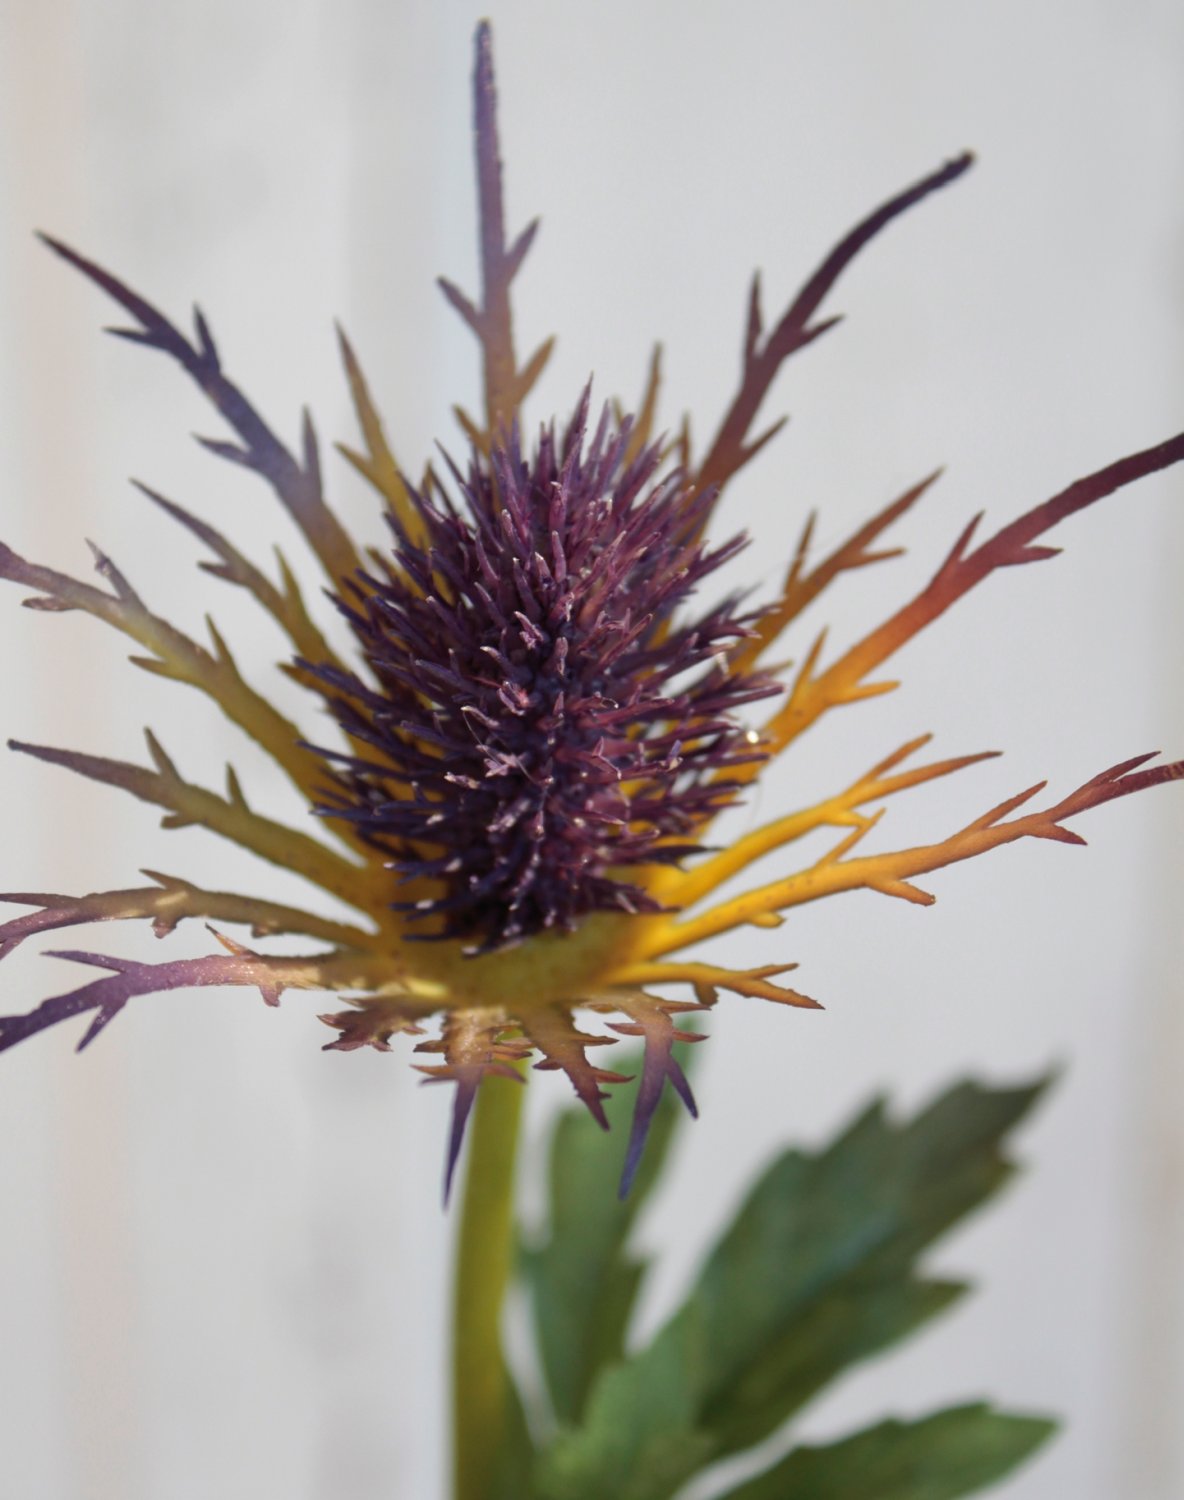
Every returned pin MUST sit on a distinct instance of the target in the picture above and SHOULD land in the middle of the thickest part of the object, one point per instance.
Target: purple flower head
(541, 722)
(539, 717)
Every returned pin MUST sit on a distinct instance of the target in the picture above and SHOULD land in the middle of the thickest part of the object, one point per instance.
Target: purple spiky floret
(540, 722)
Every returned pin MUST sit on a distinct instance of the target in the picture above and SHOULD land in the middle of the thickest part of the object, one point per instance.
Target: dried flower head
(538, 720)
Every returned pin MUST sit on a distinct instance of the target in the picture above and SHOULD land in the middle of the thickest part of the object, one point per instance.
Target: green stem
(484, 1259)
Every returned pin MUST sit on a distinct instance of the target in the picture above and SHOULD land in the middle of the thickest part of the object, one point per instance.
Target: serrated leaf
(942, 1457)
(837, 1330)
(582, 1280)
(639, 1440)
(817, 1270)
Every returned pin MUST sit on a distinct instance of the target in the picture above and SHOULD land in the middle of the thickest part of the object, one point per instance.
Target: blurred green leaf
(816, 1272)
(941, 1457)
(581, 1278)
(639, 1440)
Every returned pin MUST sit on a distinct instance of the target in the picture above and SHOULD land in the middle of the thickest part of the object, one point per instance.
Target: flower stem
(484, 1259)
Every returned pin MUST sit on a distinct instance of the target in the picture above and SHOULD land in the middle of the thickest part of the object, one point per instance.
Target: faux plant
(535, 721)
(817, 1271)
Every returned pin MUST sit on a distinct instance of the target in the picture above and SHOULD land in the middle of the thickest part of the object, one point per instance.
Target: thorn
(958, 551)
(461, 304)
(1029, 554)
(882, 554)
(755, 324)
(230, 943)
(221, 650)
(861, 690)
(312, 452)
(48, 604)
(749, 451)
(134, 336)
(471, 430)
(205, 339)
(157, 667)
(805, 672)
(808, 335)
(234, 789)
(231, 452)
(801, 552)
(159, 758)
(102, 1017)
(462, 1106)
(864, 825)
(533, 368)
(1115, 773)
(988, 819)
(107, 569)
(904, 889)
(518, 251)
(1059, 834)
(658, 1067)
(890, 762)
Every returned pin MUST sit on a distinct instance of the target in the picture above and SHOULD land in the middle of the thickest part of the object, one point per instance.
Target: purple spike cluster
(540, 722)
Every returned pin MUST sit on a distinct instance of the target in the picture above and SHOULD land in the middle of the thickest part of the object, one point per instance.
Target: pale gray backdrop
(222, 1257)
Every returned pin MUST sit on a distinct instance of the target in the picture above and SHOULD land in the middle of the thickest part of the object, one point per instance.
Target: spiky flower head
(537, 722)
(539, 719)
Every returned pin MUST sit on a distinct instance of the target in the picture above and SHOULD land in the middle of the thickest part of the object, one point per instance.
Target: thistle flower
(539, 721)
(524, 720)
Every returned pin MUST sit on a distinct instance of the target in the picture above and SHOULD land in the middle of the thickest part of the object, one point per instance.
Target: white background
(222, 1257)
